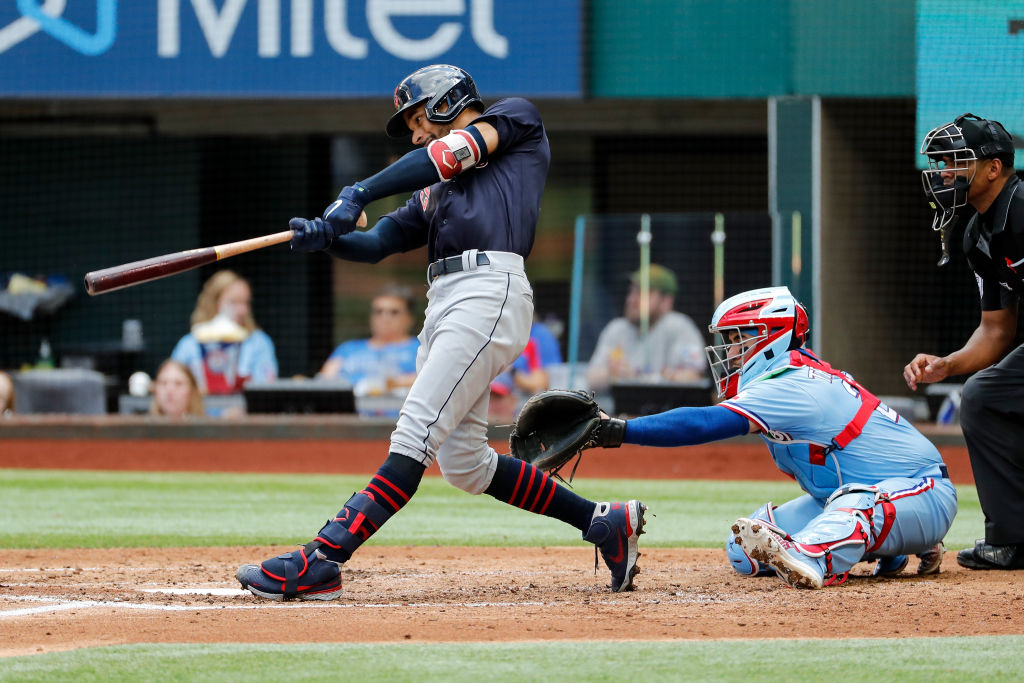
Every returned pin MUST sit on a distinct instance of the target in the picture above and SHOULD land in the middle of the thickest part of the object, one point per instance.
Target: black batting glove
(310, 235)
(344, 213)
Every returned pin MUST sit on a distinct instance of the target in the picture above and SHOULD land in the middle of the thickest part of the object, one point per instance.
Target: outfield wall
(349, 445)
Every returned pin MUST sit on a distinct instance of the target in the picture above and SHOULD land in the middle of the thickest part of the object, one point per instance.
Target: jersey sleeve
(413, 218)
(515, 119)
(779, 405)
(994, 297)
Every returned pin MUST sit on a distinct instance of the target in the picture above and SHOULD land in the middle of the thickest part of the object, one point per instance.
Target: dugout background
(674, 122)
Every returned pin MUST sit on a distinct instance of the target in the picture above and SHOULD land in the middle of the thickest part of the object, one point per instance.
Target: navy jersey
(994, 245)
(493, 206)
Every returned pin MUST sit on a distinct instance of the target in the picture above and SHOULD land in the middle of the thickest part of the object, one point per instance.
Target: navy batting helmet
(446, 89)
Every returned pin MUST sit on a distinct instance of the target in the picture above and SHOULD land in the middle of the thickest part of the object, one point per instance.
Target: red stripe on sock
(544, 508)
(397, 490)
(385, 496)
(522, 468)
(543, 483)
(526, 492)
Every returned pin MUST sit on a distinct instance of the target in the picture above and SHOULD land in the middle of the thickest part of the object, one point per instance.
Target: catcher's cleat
(299, 575)
(764, 545)
(614, 531)
(931, 559)
(890, 566)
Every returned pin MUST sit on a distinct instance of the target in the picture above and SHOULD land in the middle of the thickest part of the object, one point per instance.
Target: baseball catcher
(875, 488)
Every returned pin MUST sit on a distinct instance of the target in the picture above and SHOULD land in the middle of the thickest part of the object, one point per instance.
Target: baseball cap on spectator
(661, 278)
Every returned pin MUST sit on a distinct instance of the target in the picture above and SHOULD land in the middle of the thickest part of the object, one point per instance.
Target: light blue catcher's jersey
(797, 407)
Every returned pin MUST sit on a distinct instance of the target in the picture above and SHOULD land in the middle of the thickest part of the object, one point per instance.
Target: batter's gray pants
(477, 323)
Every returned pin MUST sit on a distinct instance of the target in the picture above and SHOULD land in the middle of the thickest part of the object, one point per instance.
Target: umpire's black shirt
(994, 245)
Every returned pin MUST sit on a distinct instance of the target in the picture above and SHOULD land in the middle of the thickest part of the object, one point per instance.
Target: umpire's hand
(925, 369)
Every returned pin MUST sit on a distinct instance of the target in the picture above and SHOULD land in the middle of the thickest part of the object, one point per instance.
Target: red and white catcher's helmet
(752, 331)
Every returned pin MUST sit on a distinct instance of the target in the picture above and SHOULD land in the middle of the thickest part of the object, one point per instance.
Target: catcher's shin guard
(614, 530)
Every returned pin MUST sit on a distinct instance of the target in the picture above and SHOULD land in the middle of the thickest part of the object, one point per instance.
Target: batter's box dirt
(54, 600)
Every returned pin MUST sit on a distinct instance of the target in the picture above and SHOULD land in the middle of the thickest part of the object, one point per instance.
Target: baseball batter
(476, 185)
(876, 488)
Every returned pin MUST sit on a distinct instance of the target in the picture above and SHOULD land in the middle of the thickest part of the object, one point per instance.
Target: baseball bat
(137, 272)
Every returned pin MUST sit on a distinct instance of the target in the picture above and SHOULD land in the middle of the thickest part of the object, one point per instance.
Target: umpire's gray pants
(992, 418)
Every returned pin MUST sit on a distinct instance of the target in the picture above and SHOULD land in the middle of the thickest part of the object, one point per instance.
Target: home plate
(197, 591)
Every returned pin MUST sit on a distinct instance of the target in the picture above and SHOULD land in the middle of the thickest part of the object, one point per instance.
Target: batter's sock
(519, 483)
(366, 511)
(395, 482)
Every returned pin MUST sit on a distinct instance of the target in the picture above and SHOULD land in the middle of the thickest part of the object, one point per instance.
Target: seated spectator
(527, 376)
(6, 394)
(674, 348)
(385, 361)
(175, 392)
(225, 349)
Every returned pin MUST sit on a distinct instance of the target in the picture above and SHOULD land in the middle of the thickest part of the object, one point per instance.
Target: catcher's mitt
(558, 424)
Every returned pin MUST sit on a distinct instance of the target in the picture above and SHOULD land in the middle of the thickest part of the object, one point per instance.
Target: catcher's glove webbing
(558, 424)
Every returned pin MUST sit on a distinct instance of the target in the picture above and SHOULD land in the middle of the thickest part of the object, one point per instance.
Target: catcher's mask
(752, 330)
(952, 150)
(446, 89)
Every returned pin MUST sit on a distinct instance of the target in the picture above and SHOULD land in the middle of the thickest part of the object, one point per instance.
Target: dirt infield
(64, 599)
(68, 599)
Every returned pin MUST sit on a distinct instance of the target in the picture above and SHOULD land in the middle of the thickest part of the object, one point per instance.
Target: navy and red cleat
(299, 575)
(614, 531)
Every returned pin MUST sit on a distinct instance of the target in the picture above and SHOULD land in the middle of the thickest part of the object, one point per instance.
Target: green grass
(932, 659)
(61, 508)
(42, 508)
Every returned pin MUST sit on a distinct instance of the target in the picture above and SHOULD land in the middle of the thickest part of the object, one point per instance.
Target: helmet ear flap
(800, 327)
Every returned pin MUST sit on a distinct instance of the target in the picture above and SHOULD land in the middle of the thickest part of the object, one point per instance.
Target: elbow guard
(456, 152)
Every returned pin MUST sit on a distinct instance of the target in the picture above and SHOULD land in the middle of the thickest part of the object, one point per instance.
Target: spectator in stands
(175, 392)
(225, 349)
(6, 394)
(387, 359)
(674, 348)
(527, 376)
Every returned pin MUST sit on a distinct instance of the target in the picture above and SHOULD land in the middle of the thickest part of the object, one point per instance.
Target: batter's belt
(452, 264)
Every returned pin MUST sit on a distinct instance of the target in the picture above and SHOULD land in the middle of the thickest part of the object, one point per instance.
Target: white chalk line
(61, 605)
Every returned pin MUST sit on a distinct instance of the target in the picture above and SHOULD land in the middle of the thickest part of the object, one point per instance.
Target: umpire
(970, 161)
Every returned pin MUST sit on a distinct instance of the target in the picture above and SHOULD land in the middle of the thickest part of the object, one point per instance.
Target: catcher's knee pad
(739, 560)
